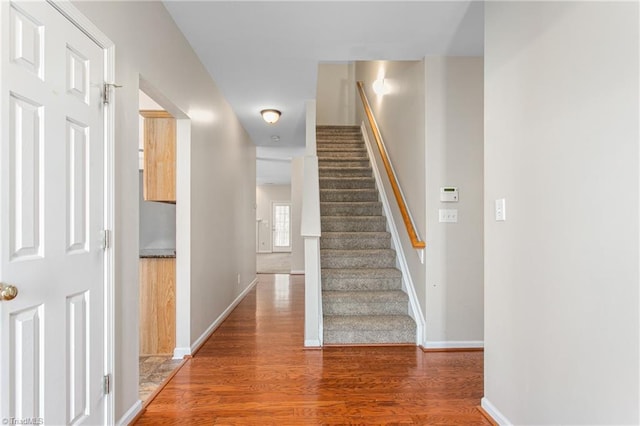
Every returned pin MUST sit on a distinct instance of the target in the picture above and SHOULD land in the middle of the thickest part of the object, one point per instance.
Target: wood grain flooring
(254, 371)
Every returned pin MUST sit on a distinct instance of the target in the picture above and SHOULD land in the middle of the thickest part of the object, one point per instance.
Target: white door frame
(67, 9)
(273, 226)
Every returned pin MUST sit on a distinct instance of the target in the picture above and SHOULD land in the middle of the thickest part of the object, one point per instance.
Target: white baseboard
(209, 331)
(313, 343)
(495, 414)
(180, 353)
(130, 414)
(454, 344)
(296, 272)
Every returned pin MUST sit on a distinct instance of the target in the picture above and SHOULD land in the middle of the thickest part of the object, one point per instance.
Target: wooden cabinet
(157, 306)
(159, 156)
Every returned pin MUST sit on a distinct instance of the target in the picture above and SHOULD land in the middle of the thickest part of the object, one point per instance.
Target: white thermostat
(449, 194)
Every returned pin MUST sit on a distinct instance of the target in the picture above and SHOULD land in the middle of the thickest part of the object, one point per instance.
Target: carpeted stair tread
(349, 194)
(353, 223)
(387, 302)
(355, 240)
(357, 182)
(368, 322)
(368, 329)
(344, 171)
(372, 273)
(361, 279)
(350, 208)
(386, 296)
(370, 258)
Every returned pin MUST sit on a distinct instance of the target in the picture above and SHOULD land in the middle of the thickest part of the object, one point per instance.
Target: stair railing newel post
(416, 242)
(310, 231)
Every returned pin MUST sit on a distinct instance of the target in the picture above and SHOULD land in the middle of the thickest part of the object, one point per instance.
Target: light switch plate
(501, 210)
(448, 215)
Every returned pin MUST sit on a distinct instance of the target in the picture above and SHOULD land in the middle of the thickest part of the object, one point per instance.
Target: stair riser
(390, 308)
(350, 209)
(354, 243)
(347, 337)
(351, 148)
(325, 162)
(341, 152)
(333, 225)
(357, 261)
(348, 195)
(339, 135)
(360, 284)
(345, 183)
(341, 159)
(345, 172)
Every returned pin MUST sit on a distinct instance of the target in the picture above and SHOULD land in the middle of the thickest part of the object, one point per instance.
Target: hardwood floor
(255, 371)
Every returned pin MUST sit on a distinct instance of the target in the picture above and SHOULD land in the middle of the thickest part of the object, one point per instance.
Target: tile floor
(153, 371)
(273, 263)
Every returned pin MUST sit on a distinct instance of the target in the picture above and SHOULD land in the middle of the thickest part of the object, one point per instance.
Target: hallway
(254, 370)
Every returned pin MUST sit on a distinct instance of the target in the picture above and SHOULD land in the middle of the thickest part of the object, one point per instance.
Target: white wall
(265, 196)
(561, 274)
(454, 157)
(432, 123)
(297, 242)
(222, 186)
(335, 94)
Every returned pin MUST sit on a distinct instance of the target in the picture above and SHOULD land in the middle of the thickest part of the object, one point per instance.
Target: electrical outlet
(448, 215)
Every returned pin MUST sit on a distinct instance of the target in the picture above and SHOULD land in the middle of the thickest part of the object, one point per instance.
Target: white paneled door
(52, 176)
(281, 227)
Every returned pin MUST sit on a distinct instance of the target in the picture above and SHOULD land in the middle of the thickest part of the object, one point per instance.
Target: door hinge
(106, 91)
(106, 239)
(106, 384)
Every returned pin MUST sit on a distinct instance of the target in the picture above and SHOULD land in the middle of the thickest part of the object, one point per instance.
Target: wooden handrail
(408, 223)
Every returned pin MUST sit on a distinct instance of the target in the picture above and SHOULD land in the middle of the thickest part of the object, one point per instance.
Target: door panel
(281, 227)
(52, 214)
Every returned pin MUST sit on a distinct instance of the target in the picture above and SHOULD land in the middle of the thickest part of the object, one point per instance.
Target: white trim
(494, 413)
(454, 344)
(131, 414)
(209, 331)
(297, 272)
(180, 353)
(70, 12)
(415, 310)
(312, 343)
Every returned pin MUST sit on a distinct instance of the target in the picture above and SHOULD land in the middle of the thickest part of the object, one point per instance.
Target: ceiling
(265, 54)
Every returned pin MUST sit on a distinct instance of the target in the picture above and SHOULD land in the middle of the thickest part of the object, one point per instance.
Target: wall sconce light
(380, 87)
(270, 115)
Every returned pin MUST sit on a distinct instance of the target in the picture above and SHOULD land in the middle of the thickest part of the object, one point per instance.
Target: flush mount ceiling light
(270, 115)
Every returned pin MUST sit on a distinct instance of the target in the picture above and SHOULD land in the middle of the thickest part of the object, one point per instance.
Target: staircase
(362, 297)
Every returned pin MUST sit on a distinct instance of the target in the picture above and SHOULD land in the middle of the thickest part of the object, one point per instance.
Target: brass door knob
(8, 292)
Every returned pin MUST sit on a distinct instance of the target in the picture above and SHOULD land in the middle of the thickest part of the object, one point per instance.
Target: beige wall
(561, 282)
(401, 117)
(222, 183)
(454, 157)
(265, 196)
(335, 101)
(431, 121)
